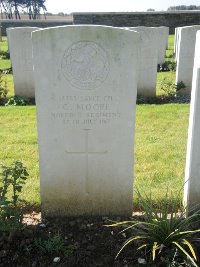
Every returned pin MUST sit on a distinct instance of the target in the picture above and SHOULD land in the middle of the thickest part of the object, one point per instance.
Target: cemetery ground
(160, 150)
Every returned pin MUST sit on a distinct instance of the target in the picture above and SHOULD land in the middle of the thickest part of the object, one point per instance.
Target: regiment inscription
(84, 110)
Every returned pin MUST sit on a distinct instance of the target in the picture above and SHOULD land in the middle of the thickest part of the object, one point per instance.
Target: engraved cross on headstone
(86, 152)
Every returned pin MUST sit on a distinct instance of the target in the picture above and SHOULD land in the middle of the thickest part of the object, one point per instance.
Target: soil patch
(87, 242)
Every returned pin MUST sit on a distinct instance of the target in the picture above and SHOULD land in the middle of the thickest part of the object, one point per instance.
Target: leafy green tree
(33, 8)
(183, 7)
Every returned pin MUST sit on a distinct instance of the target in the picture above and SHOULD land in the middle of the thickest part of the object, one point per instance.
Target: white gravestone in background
(165, 35)
(86, 89)
(192, 173)
(162, 42)
(176, 38)
(148, 56)
(20, 46)
(176, 41)
(185, 55)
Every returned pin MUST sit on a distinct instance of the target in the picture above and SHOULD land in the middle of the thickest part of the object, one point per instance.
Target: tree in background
(12, 8)
(34, 7)
(150, 9)
(183, 7)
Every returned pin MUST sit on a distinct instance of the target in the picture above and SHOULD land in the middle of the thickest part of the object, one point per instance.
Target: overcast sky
(68, 6)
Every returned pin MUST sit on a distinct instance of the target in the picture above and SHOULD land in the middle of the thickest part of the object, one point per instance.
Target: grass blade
(185, 252)
(190, 247)
(155, 246)
(130, 240)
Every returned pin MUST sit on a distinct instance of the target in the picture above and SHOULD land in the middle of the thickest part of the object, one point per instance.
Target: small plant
(4, 54)
(167, 66)
(171, 55)
(17, 101)
(172, 66)
(164, 234)
(3, 88)
(12, 180)
(180, 85)
(54, 244)
(170, 88)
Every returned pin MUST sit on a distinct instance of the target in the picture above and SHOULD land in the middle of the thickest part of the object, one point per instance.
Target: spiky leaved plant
(164, 234)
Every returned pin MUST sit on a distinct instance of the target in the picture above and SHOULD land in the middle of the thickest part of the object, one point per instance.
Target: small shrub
(170, 88)
(163, 234)
(54, 244)
(172, 66)
(180, 86)
(5, 54)
(171, 55)
(167, 66)
(12, 180)
(17, 101)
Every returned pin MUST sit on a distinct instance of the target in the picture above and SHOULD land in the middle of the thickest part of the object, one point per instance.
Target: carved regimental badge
(85, 65)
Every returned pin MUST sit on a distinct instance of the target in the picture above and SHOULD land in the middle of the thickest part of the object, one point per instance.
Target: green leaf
(118, 223)
(190, 247)
(185, 252)
(154, 248)
(130, 240)
(141, 247)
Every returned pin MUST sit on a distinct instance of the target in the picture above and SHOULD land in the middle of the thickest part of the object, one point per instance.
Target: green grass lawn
(18, 141)
(4, 63)
(160, 146)
(170, 49)
(171, 75)
(160, 142)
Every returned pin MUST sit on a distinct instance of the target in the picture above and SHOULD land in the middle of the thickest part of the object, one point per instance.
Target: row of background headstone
(151, 52)
(66, 189)
(20, 47)
(87, 139)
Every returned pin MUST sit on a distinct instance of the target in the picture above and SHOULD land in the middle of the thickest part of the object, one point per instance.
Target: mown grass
(160, 144)
(4, 63)
(18, 141)
(171, 75)
(4, 44)
(160, 147)
(170, 50)
(9, 81)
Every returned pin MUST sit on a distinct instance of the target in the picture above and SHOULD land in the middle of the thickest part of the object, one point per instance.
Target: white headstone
(166, 35)
(148, 56)
(85, 80)
(185, 55)
(162, 42)
(176, 41)
(192, 173)
(20, 47)
(176, 36)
